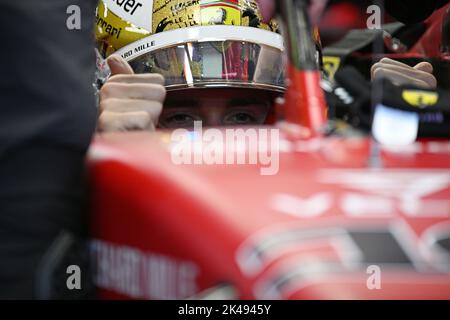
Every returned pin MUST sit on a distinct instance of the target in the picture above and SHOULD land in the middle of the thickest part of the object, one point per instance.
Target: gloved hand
(399, 73)
(130, 101)
(351, 99)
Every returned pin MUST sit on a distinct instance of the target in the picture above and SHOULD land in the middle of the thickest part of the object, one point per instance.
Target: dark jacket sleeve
(46, 92)
(47, 119)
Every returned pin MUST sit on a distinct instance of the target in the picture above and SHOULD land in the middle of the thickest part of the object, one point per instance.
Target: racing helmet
(194, 43)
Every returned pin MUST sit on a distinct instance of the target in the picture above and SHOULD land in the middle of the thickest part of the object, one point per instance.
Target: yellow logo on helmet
(226, 12)
(121, 22)
(113, 32)
(420, 99)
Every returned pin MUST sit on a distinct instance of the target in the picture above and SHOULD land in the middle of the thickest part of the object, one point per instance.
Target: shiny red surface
(208, 215)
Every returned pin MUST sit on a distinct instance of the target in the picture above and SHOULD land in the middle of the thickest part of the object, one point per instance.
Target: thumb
(424, 66)
(118, 65)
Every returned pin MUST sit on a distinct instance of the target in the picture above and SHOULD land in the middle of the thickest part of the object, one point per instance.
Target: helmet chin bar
(304, 100)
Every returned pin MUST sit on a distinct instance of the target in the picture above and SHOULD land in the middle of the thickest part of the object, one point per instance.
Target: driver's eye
(179, 120)
(240, 118)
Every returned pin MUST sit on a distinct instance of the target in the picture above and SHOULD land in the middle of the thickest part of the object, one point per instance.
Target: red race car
(313, 214)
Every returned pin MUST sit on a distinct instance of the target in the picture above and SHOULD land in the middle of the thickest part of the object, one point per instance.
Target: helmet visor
(214, 63)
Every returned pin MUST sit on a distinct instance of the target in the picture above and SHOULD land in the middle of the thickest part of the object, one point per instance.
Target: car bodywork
(342, 218)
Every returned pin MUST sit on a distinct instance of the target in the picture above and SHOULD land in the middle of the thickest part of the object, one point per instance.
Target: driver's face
(215, 107)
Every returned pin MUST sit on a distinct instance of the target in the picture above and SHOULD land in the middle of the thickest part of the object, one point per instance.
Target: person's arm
(46, 92)
(47, 119)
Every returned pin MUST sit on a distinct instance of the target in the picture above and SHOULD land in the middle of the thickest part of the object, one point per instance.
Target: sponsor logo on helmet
(130, 6)
(137, 12)
(107, 28)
